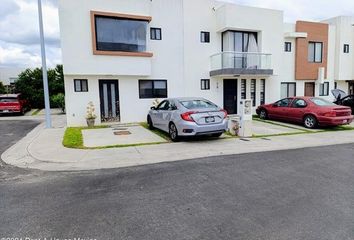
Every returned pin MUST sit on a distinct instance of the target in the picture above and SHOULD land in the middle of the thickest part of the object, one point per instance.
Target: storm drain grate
(120, 129)
(120, 133)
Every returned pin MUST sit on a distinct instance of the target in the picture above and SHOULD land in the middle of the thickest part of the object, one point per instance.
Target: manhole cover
(119, 133)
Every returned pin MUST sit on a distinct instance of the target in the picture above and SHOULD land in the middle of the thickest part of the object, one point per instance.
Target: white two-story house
(121, 55)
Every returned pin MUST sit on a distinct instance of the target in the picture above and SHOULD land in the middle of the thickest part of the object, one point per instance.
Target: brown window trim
(116, 53)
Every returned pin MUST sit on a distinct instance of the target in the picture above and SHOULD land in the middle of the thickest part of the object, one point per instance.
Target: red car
(310, 111)
(13, 103)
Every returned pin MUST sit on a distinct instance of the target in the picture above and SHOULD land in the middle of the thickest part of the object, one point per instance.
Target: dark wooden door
(230, 96)
(109, 100)
(309, 89)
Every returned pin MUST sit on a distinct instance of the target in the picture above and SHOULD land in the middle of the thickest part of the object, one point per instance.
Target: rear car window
(8, 100)
(197, 104)
(321, 102)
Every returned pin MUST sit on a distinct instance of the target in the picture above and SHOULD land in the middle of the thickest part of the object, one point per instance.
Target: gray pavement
(293, 194)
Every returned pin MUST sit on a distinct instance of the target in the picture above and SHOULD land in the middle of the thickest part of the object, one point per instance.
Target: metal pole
(44, 68)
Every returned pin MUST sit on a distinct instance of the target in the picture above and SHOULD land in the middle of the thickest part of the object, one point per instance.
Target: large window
(152, 88)
(288, 90)
(253, 92)
(119, 33)
(315, 52)
(324, 89)
(262, 91)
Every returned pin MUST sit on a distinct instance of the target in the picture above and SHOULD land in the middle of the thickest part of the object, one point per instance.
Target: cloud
(19, 38)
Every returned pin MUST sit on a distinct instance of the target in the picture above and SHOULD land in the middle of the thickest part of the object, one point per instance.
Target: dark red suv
(13, 103)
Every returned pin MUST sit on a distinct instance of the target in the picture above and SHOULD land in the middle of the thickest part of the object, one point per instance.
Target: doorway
(230, 96)
(109, 100)
(309, 89)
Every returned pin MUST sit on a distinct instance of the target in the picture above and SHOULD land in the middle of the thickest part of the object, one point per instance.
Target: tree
(30, 84)
(2, 88)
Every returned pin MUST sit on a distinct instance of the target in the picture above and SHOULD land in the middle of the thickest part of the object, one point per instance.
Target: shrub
(58, 101)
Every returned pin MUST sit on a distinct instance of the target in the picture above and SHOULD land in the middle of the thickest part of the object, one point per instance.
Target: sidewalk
(42, 149)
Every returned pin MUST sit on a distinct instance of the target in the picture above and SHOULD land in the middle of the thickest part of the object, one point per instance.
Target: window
(322, 102)
(155, 34)
(197, 104)
(262, 92)
(284, 102)
(299, 103)
(253, 92)
(288, 90)
(346, 48)
(120, 34)
(165, 105)
(287, 47)
(80, 85)
(153, 88)
(205, 37)
(315, 52)
(205, 84)
(324, 89)
(243, 89)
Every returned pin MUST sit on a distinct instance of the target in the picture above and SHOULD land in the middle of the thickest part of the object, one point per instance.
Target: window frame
(313, 60)
(204, 37)
(94, 14)
(154, 95)
(254, 92)
(288, 88)
(322, 92)
(205, 84)
(287, 46)
(262, 91)
(296, 100)
(346, 48)
(81, 81)
(152, 29)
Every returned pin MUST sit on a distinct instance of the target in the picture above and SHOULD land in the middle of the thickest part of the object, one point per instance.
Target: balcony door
(230, 96)
(240, 43)
(109, 99)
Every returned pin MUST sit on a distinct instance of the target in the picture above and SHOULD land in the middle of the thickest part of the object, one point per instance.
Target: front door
(230, 96)
(109, 99)
(309, 89)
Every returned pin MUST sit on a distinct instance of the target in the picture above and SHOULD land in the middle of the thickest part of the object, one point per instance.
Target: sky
(19, 34)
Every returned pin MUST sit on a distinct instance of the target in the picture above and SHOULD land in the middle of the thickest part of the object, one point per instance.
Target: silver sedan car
(188, 117)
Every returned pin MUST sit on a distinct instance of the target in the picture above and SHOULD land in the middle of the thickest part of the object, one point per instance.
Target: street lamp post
(44, 68)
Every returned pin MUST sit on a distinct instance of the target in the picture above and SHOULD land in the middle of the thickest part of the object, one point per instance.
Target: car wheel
(263, 114)
(173, 132)
(216, 135)
(151, 125)
(310, 121)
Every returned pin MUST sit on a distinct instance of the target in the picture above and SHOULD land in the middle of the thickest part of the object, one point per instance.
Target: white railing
(240, 60)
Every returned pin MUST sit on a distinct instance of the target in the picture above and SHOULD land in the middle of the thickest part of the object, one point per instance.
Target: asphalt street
(296, 194)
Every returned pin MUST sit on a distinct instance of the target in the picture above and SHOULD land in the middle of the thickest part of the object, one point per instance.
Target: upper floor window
(346, 48)
(119, 34)
(205, 37)
(315, 52)
(155, 34)
(236, 41)
(287, 47)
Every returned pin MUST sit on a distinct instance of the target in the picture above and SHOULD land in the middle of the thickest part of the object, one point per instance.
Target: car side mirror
(153, 108)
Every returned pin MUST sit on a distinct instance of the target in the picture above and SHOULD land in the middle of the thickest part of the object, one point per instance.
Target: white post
(44, 68)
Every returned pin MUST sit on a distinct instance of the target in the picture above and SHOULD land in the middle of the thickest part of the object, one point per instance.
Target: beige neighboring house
(9, 75)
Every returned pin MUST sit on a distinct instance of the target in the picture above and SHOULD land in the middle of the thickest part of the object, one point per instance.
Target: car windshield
(8, 100)
(321, 102)
(197, 104)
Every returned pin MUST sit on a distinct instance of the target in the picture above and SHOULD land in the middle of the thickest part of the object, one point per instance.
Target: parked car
(13, 103)
(311, 111)
(343, 99)
(188, 117)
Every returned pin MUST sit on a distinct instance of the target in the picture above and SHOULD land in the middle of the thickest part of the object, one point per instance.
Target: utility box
(245, 118)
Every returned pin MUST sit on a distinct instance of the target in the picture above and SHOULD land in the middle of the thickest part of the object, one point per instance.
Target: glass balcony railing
(250, 61)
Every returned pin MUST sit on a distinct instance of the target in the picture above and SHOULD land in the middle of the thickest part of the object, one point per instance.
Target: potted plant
(91, 116)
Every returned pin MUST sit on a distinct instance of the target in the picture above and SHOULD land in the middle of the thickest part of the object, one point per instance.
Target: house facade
(122, 55)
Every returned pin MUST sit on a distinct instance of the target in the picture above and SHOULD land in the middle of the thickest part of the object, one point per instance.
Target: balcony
(241, 63)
